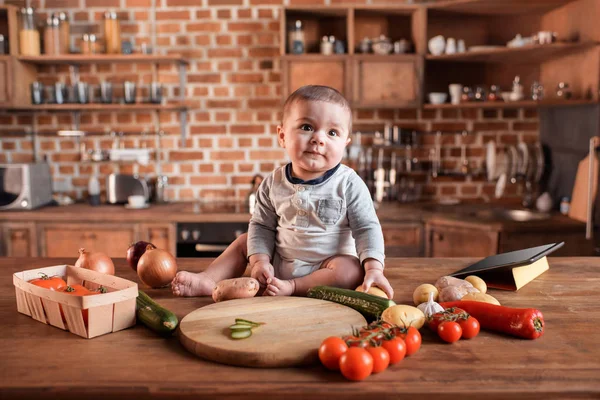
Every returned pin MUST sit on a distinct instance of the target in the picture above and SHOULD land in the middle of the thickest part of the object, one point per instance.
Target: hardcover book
(512, 270)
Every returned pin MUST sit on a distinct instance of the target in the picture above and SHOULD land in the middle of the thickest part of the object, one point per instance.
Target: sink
(512, 215)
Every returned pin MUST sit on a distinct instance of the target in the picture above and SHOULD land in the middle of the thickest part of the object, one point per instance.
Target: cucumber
(240, 327)
(241, 334)
(368, 305)
(155, 317)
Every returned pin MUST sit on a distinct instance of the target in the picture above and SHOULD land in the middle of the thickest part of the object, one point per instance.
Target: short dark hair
(318, 93)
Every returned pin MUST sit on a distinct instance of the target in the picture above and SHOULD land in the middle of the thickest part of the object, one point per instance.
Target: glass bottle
(296, 44)
(85, 44)
(29, 37)
(112, 33)
(65, 32)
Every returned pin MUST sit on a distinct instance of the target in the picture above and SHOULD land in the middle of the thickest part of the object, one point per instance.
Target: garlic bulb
(430, 307)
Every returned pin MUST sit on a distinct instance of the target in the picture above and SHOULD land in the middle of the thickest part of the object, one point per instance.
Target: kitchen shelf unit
(80, 59)
(402, 81)
(71, 107)
(510, 104)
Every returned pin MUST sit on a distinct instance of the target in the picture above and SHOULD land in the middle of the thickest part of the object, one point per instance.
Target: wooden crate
(106, 312)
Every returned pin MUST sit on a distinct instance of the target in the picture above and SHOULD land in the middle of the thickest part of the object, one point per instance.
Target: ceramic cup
(451, 46)
(436, 45)
(136, 201)
(455, 90)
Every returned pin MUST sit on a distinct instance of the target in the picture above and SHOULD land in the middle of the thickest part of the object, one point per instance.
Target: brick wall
(234, 81)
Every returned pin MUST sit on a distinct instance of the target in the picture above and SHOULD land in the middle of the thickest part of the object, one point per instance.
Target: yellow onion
(156, 267)
(95, 261)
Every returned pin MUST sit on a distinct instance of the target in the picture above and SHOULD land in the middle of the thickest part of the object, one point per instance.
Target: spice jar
(93, 44)
(326, 46)
(85, 44)
(65, 31)
(494, 94)
(29, 37)
(112, 33)
(52, 35)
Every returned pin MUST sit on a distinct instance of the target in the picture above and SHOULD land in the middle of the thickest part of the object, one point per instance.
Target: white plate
(490, 160)
(129, 207)
(523, 158)
(500, 185)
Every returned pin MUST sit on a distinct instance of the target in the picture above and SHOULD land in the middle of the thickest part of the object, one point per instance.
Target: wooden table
(39, 361)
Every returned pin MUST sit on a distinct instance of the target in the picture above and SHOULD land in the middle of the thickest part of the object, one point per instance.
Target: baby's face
(314, 134)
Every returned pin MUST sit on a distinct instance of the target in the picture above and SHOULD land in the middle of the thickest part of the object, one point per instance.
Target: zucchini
(155, 317)
(370, 306)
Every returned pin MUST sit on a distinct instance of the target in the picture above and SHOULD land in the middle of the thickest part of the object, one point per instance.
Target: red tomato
(449, 314)
(49, 282)
(412, 339)
(449, 331)
(354, 341)
(381, 358)
(470, 327)
(356, 364)
(330, 352)
(396, 349)
(77, 290)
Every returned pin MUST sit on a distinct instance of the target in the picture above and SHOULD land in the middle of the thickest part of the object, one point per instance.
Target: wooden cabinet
(332, 71)
(381, 81)
(15, 81)
(160, 235)
(19, 239)
(459, 241)
(403, 239)
(65, 239)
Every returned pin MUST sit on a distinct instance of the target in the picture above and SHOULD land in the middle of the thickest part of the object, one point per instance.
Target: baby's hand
(262, 271)
(375, 277)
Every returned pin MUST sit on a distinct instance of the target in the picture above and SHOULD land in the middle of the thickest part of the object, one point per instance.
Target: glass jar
(494, 93)
(29, 37)
(52, 36)
(65, 32)
(3, 46)
(112, 33)
(85, 44)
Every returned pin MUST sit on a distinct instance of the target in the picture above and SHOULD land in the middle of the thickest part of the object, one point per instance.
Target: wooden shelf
(526, 54)
(505, 7)
(182, 106)
(510, 104)
(359, 56)
(103, 59)
(314, 57)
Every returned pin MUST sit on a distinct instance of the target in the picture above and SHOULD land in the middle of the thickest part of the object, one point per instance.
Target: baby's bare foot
(190, 284)
(279, 287)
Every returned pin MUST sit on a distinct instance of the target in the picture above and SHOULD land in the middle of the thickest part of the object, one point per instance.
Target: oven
(207, 239)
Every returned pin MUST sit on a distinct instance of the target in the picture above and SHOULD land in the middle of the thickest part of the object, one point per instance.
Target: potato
(477, 283)
(486, 298)
(446, 281)
(238, 288)
(374, 290)
(421, 293)
(404, 316)
(454, 293)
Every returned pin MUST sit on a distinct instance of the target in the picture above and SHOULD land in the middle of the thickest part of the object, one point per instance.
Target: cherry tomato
(49, 282)
(412, 339)
(356, 364)
(470, 327)
(381, 358)
(330, 352)
(396, 349)
(449, 314)
(449, 331)
(354, 341)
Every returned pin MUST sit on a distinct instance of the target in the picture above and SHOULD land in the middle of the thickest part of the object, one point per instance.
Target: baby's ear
(348, 140)
(280, 135)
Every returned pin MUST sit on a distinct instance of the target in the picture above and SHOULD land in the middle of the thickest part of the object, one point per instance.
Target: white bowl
(438, 97)
(136, 201)
(506, 96)
(436, 45)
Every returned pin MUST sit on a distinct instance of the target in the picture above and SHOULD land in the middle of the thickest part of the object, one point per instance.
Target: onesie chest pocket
(329, 211)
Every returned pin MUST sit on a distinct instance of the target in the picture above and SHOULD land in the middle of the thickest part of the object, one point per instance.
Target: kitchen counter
(44, 362)
(465, 214)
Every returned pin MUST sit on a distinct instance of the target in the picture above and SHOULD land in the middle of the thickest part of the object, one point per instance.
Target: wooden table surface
(40, 361)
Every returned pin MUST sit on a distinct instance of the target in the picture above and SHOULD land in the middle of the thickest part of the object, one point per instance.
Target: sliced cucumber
(247, 323)
(243, 334)
(240, 327)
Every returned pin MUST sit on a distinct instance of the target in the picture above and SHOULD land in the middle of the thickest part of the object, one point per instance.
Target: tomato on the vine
(412, 339)
(330, 352)
(449, 314)
(449, 331)
(381, 358)
(356, 364)
(396, 349)
(55, 283)
(470, 327)
(355, 341)
(77, 290)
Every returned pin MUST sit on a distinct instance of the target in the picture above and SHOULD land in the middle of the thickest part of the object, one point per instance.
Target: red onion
(95, 261)
(156, 267)
(135, 251)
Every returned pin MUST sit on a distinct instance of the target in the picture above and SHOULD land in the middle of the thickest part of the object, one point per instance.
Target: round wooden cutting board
(293, 330)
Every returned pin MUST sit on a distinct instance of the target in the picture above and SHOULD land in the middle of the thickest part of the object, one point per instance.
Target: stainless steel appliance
(119, 187)
(25, 186)
(207, 239)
